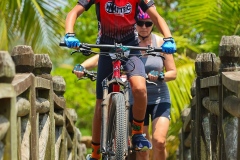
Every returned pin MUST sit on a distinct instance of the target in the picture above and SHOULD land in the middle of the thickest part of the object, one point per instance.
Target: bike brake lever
(151, 82)
(148, 81)
(73, 52)
(93, 78)
(85, 52)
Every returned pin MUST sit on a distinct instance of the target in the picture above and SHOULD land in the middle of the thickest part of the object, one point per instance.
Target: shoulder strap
(154, 40)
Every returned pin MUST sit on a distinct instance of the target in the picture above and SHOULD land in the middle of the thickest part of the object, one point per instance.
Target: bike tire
(117, 128)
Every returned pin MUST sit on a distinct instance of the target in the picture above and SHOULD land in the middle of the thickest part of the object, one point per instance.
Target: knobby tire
(118, 127)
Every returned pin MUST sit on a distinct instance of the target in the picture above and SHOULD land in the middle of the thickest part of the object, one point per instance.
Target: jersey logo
(111, 8)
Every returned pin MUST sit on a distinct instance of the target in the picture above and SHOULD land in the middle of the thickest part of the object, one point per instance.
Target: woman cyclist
(158, 97)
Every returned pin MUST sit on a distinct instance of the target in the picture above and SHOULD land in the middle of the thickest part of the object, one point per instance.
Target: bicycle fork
(104, 127)
(105, 111)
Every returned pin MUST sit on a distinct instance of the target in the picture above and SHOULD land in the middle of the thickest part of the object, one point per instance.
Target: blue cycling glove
(71, 41)
(79, 68)
(156, 73)
(169, 45)
(161, 76)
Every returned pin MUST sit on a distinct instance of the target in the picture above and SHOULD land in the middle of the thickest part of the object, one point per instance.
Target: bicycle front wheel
(118, 127)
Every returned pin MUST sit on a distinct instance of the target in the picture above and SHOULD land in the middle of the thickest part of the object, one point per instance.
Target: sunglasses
(147, 23)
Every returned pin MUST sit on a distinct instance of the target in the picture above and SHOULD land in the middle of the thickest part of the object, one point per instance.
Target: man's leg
(96, 132)
(104, 69)
(138, 85)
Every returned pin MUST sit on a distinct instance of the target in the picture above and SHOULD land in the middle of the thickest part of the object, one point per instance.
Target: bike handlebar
(116, 45)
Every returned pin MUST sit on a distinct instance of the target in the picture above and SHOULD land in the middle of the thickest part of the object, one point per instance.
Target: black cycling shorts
(155, 111)
(133, 67)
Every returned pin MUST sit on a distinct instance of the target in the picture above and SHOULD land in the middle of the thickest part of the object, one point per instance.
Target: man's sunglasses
(147, 23)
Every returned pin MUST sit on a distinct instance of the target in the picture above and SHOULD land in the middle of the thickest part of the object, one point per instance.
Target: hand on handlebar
(169, 45)
(155, 75)
(78, 70)
(71, 41)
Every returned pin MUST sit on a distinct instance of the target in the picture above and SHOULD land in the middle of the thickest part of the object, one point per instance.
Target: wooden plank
(42, 83)
(34, 121)
(52, 123)
(232, 105)
(198, 121)
(231, 80)
(70, 126)
(22, 82)
(221, 146)
(187, 123)
(187, 141)
(59, 102)
(209, 81)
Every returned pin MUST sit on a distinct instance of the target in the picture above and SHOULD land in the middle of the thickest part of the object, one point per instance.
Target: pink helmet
(142, 15)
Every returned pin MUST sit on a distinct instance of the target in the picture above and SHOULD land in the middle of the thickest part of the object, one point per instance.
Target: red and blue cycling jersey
(116, 18)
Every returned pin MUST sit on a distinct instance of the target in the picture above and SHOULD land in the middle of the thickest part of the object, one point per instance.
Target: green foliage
(80, 95)
(205, 22)
(36, 23)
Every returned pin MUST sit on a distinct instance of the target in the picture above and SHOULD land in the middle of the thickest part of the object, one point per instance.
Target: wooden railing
(34, 120)
(211, 126)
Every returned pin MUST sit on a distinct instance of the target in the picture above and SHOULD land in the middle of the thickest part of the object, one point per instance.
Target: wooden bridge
(36, 124)
(211, 124)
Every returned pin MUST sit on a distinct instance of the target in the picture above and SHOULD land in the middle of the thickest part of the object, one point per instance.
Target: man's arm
(169, 45)
(159, 22)
(72, 17)
(69, 38)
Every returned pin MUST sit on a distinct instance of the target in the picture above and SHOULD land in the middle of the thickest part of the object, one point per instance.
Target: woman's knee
(159, 144)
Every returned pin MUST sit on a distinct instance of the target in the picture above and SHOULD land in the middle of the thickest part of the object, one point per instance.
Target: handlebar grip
(63, 44)
(156, 49)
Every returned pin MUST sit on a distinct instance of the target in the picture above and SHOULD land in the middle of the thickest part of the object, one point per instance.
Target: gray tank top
(156, 93)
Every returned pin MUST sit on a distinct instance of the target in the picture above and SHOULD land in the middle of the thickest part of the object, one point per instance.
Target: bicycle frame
(118, 96)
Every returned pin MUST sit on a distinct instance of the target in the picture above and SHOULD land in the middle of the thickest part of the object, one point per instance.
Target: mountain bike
(115, 133)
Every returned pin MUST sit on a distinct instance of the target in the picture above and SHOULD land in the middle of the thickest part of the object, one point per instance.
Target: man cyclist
(116, 20)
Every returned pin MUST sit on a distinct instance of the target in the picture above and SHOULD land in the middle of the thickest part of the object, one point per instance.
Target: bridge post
(59, 87)
(23, 57)
(34, 120)
(229, 97)
(44, 106)
(206, 64)
(8, 121)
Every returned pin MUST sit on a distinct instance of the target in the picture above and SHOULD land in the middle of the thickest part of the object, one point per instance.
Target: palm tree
(205, 22)
(37, 23)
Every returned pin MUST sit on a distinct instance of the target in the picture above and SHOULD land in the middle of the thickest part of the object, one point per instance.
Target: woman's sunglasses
(147, 23)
